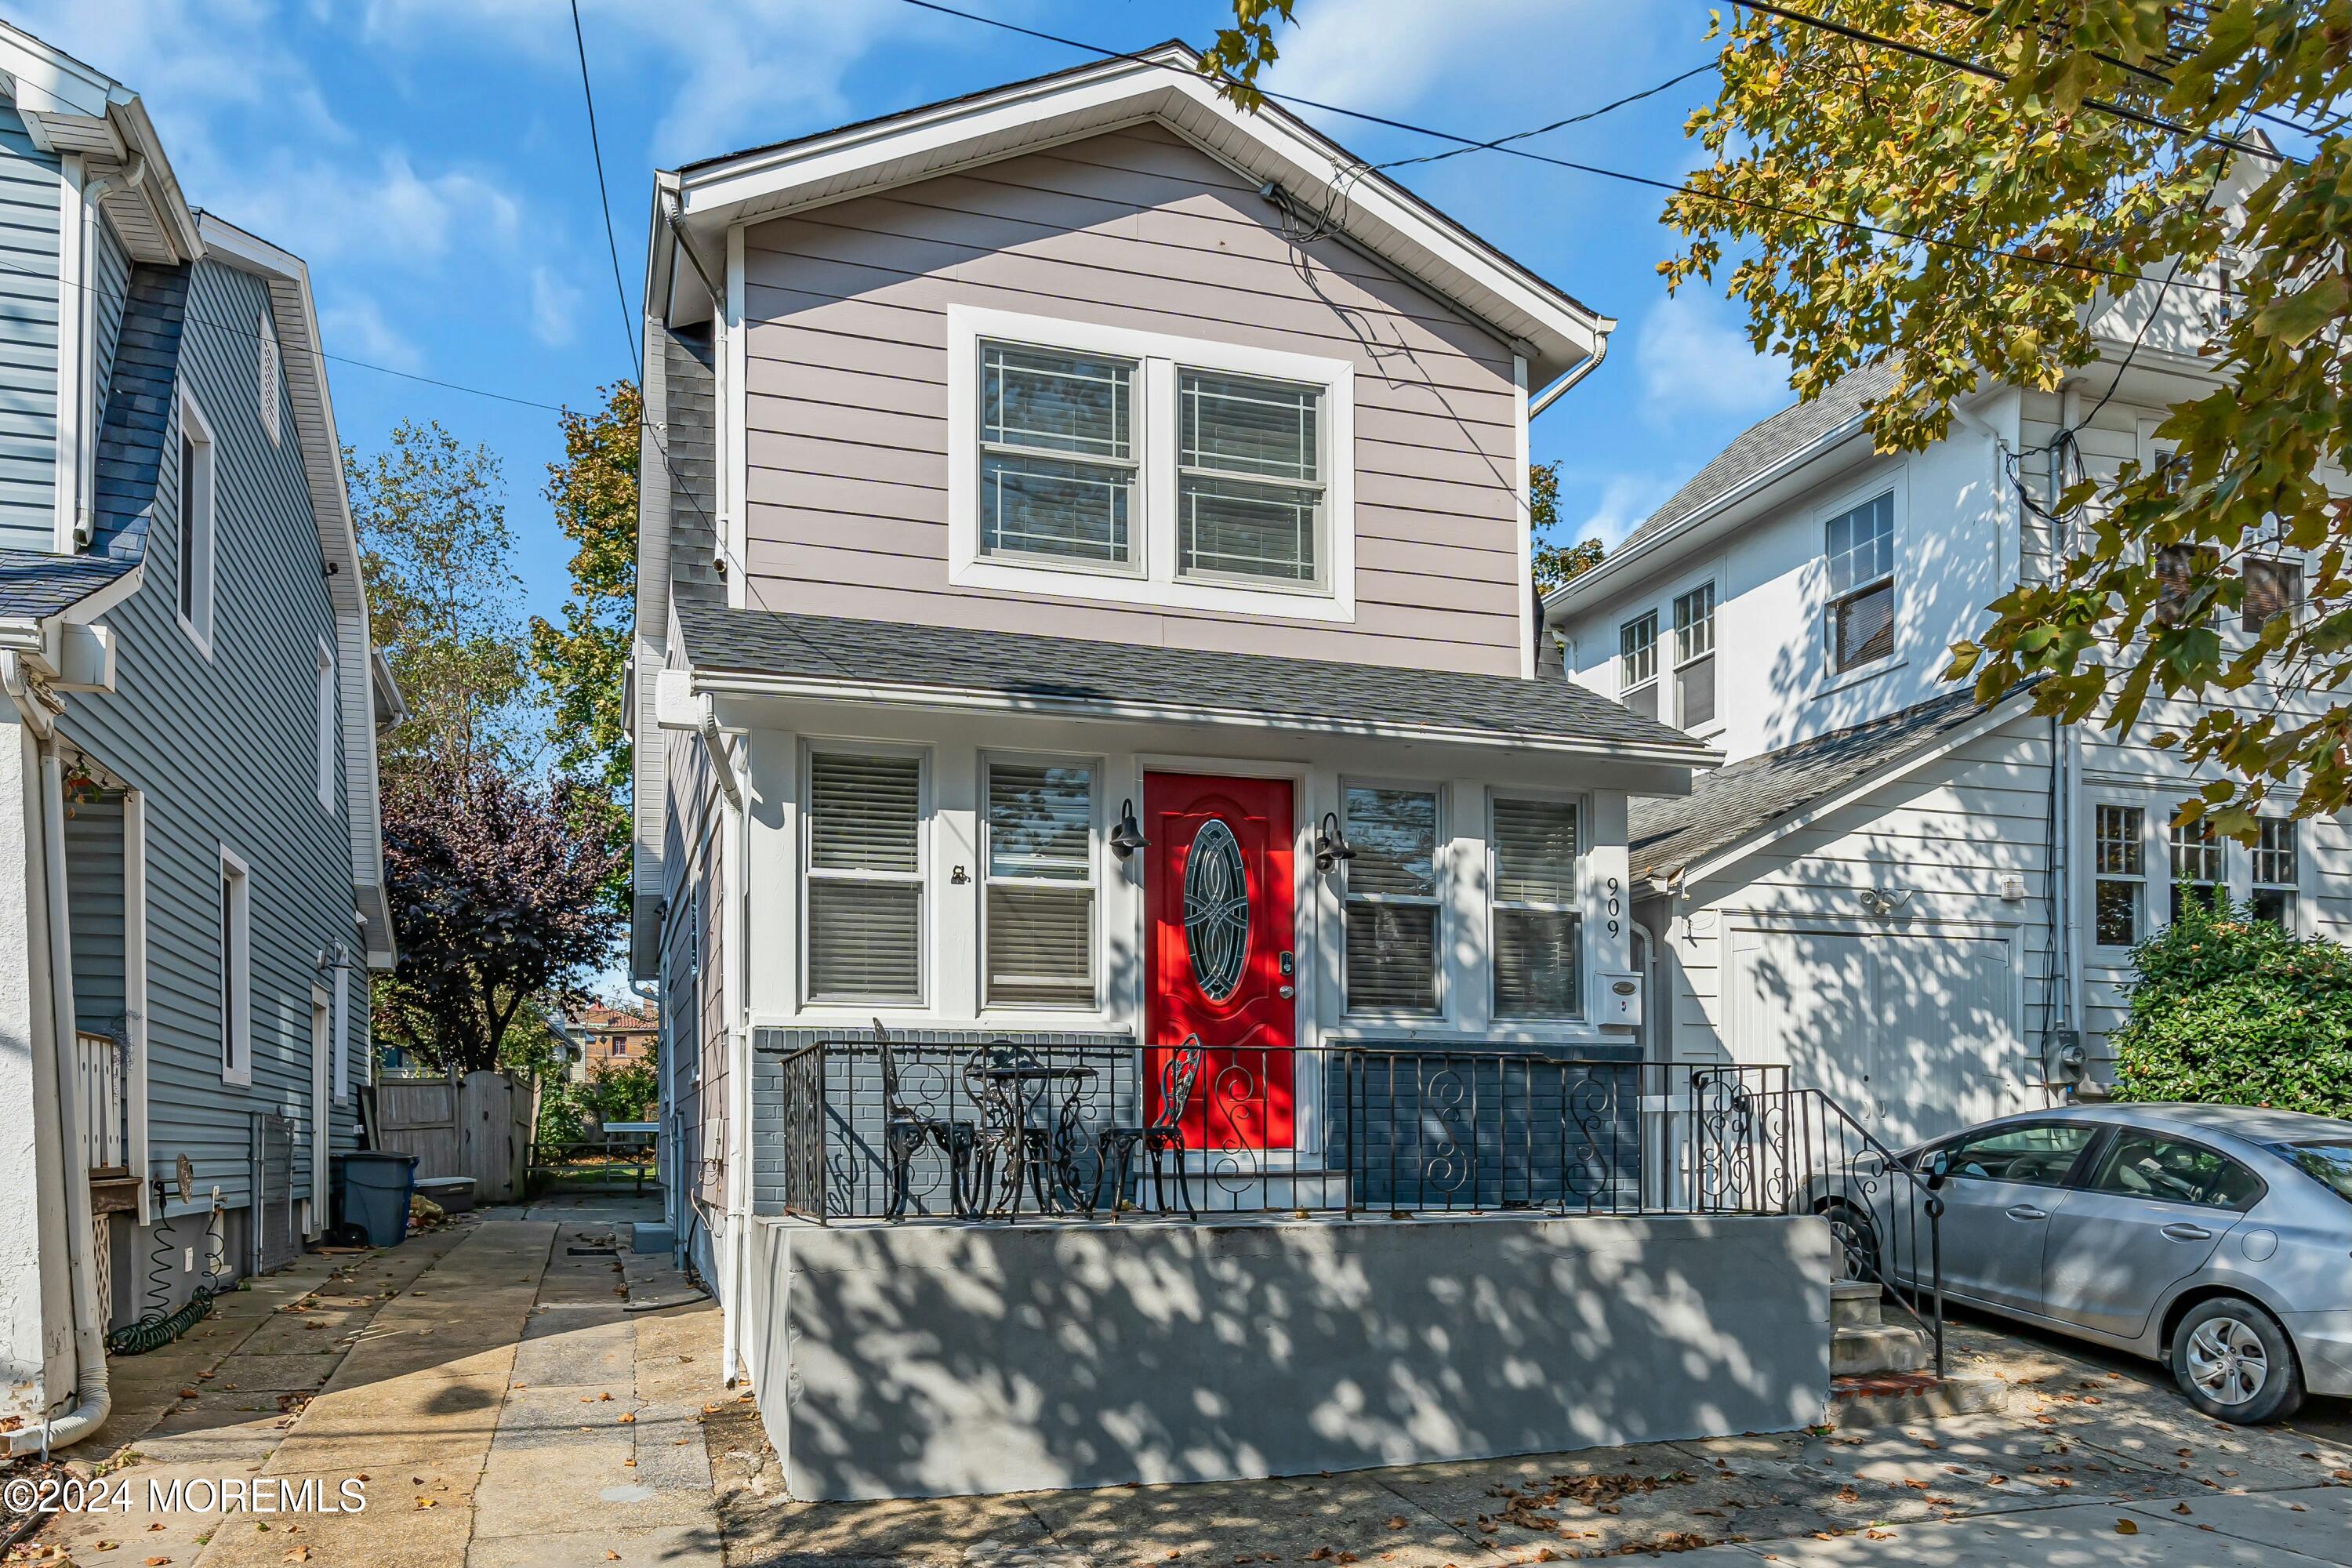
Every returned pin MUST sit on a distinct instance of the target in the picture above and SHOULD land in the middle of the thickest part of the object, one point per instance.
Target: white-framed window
(269, 374)
(864, 864)
(1694, 657)
(1108, 463)
(1392, 894)
(2277, 871)
(2200, 864)
(236, 971)
(2119, 873)
(1039, 909)
(198, 532)
(325, 721)
(1859, 546)
(2273, 587)
(1637, 664)
(1537, 920)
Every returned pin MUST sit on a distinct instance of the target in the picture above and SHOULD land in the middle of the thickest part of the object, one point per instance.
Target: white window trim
(237, 975)
(1890, 483)
(1581, 907)
(1674, 663)
(1152, 579)
(325, 700)
(926, 817)
(1657, 621)
(1096, 879)
(203, 559)
(1441, 928)
(2153, 840)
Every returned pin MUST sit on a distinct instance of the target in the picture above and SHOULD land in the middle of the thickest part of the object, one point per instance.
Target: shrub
(2231, 1010)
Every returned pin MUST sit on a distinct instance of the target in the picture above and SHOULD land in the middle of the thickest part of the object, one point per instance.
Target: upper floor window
(1637, 664)
(1038, 918)
(1057, 466)
(1694, 657)
(325, 700)
(2273, 587)
(1536, 917)
(1860, 547)
(1108, 463)
(196, 476)
(2198, 865)
(1391, 899)
(267, 375)
(1249, 493)
(2277, 871)
(864, 847)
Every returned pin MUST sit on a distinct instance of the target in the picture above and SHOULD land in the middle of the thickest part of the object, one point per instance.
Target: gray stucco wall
(925, 1361)
(28, 338)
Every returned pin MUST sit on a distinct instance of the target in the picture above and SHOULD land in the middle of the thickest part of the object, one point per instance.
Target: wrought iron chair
(905, 1130)
(1161, 1137)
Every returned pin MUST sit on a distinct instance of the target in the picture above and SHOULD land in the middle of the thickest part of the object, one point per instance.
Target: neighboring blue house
(191, 873)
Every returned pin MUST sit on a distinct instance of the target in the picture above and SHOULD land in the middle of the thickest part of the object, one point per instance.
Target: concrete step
(1865, 1348)
(1898, 1399)
(1855, 1304)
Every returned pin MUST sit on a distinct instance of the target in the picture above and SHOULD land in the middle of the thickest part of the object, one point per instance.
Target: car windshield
(2328, 1161)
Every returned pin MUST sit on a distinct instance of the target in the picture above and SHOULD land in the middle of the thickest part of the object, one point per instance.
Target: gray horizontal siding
(28, 338)
(224, 750)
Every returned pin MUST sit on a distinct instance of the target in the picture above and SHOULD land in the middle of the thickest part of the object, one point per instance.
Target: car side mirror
(1939, 1171)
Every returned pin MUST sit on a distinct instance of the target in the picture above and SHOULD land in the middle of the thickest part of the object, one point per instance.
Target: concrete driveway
(522, 1391)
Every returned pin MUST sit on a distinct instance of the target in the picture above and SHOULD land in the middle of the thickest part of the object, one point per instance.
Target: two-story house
(1085, 606)
(191, 877)
(1924, 907)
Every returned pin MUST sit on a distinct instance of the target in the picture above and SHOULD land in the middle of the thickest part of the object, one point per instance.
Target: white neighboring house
(1923, 907)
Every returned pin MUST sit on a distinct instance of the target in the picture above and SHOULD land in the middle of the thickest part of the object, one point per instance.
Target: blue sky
(430, 159)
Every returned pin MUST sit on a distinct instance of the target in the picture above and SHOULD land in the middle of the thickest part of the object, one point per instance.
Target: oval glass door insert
(1216, 909)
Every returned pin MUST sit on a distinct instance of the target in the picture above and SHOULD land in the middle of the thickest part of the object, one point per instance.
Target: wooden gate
(477, 1126)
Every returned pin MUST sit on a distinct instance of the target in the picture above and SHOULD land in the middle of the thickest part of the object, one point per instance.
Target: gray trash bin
(372, 1192)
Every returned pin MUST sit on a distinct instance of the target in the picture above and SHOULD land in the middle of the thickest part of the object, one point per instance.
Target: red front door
(1218, 957)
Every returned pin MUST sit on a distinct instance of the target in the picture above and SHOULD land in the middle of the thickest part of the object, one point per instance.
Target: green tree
(436, 555)
(1950, 188)
(583, 658)
(1555, 561)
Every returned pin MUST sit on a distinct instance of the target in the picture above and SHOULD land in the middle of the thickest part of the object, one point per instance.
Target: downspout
(92, 1399)
(732, 857)
(1560, 388)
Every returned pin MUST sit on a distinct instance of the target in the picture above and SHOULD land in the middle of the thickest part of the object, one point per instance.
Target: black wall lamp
(1128, 837)
(1331, 845)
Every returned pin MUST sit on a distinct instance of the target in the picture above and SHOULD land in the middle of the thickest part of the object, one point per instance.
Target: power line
(1956, 62)
(604, 194)
(1467, 143)
(1500, 142)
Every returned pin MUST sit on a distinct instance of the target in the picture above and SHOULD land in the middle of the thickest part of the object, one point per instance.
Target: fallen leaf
(428, 1502)
(625, 1417)
(2182, 1508)
(1397, 1522)
(2125, 1526)
(298, 1554)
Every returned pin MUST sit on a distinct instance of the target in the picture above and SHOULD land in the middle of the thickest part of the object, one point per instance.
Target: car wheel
(1856, 1240)
(2234, 1362)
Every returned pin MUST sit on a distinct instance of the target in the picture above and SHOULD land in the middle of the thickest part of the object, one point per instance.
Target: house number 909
(1613, 906)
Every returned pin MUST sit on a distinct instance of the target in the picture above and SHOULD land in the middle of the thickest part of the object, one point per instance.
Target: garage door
(1915, 1032)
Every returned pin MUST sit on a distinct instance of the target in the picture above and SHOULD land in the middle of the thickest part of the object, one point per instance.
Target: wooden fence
(476, 1126)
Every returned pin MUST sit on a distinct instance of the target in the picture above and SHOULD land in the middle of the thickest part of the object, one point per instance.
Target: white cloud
(1693, 358)
(1385, 54)
(323, 210)
(552, 304)
(355, 327)
(1626, 500)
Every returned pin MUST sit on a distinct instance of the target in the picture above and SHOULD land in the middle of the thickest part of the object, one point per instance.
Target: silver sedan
(2215, 1238)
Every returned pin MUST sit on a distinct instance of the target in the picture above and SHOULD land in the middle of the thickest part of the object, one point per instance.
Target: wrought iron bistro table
(1015, 1088)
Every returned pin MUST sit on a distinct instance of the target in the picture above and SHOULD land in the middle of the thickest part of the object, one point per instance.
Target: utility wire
(2061, 263)
(604, 194)
(1504, 142)
(1970, 68)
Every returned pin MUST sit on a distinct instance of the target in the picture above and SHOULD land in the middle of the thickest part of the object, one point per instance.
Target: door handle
(2186, 1232)
(2027, 1211)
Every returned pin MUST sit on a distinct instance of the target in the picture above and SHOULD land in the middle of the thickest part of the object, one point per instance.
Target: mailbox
(1620, 1000)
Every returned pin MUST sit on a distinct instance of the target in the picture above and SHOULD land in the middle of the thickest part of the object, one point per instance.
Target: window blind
(1040, 908)
(865, 895)
(865, 940)
(864, 813)
(1391, 899)
(1538, 931)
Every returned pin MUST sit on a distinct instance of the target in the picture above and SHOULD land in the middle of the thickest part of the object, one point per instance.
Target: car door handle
(2027, 1211)
(2185, 1232)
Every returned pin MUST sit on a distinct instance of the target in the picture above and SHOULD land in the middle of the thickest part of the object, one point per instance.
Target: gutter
(709, 685)
(1567, 384)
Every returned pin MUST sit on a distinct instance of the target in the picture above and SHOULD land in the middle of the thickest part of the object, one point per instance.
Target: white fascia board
(29, 65)
(1024, 117)
(681, 690)
(2008, 708)
(160, 186)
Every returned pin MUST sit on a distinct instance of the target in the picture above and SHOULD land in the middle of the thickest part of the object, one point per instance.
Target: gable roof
(36, 585)
(1272, 147)
(889, 661)
(1665, 837)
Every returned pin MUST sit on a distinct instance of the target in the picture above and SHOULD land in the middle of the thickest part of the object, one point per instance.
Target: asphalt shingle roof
(34, 585)
(1054, 672)
(1665, 836)
(1769, 441)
